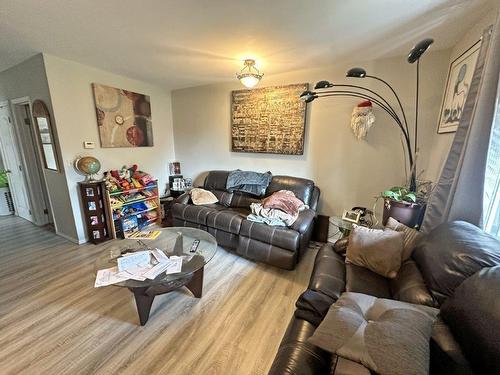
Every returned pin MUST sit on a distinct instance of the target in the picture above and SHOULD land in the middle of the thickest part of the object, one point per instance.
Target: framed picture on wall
(457, 88)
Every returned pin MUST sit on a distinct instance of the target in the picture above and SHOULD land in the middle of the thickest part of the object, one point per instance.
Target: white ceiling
(185, 43)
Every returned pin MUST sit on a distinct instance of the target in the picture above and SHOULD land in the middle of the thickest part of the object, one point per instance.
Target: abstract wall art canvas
(269, 120)
(123, 117)
(457, 88)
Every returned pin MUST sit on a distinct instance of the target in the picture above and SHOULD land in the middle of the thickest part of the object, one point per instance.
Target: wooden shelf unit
(115, 211)
(93, 195)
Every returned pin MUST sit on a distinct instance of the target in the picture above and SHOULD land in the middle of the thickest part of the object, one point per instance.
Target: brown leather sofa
(440, 263)
(226, 220)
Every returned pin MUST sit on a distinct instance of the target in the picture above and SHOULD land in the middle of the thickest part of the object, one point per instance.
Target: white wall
(442, 142)
(28, 79)
(349, 172)
(74, 111)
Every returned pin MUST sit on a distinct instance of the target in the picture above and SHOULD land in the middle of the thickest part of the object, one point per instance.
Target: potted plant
(404, 205)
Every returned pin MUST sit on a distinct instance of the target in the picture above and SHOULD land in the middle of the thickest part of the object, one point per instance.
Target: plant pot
(410, 214)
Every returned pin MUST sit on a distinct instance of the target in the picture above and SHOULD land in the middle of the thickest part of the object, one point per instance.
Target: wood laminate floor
(53, 321)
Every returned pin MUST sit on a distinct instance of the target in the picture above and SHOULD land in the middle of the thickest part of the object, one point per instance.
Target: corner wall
(29, 79)
(74, 111)
(349, 172)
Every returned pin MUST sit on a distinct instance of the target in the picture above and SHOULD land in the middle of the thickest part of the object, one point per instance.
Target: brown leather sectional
(442, 261)
(226, 220)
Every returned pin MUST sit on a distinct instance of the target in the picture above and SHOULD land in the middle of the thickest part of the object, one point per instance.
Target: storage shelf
(135, 190)
(138, 212)
(116, 206)
(116, 223)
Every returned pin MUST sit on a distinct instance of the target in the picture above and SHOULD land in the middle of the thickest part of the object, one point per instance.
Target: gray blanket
(248, 182)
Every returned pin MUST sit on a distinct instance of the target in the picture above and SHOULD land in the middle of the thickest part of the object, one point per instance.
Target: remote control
(194, 246)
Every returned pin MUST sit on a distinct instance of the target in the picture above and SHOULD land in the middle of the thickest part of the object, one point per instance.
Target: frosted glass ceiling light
(249, 76)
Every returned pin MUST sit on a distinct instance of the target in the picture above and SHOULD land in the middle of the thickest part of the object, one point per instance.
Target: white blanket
(270, 216)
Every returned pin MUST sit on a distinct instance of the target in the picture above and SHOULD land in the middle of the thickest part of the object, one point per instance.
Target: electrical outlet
(88, 144)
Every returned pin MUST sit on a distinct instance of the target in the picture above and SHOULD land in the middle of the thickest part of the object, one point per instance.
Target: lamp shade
(356, 73)
(323, 85)
(418, 50)
(308, 96)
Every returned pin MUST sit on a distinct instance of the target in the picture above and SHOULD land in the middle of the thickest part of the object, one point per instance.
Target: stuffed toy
(362, 119)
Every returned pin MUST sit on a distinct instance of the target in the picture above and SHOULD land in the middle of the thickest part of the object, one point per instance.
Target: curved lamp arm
(397, 99)
(370, 91)
(363, 96)
(380, 102)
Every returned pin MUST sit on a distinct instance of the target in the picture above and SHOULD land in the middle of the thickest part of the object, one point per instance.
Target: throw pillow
(473, 315)
(202, 196)
(389, 337)
(411, 236)
(378, 250)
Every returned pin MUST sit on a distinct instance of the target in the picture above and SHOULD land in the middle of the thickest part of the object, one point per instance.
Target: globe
(88, 166)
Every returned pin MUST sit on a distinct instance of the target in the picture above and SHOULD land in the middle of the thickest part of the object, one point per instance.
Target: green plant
(400, 194)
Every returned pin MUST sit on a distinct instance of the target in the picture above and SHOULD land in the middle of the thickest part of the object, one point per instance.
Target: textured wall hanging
(269, 120)
(123, 117)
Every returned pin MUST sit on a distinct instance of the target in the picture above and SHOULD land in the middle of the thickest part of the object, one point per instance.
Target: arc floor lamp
(328, 89)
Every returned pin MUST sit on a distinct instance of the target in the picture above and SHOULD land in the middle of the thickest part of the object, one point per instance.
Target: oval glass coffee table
(172, 241)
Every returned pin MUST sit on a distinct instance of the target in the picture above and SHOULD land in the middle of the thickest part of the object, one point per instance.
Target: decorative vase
(410, 214)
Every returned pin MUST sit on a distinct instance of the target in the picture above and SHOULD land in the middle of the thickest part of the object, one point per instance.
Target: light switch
(88, 144)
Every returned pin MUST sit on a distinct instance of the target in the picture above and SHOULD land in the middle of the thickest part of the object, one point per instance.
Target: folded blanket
(248, 182)
(286, 201)
(270, 216)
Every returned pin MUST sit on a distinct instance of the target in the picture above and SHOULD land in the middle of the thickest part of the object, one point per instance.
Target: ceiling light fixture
(249, 76)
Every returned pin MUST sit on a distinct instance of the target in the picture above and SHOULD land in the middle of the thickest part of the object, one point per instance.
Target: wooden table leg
(143, 303)
(195, 285)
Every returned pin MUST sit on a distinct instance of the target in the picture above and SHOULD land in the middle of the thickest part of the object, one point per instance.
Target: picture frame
(456, 90)
(351, 216)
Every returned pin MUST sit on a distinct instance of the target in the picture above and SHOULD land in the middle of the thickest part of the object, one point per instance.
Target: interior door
(12, 164)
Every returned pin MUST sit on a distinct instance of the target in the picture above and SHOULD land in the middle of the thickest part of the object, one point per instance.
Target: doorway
(22, 161)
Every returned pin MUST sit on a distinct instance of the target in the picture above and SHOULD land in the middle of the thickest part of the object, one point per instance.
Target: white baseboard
(74, 240)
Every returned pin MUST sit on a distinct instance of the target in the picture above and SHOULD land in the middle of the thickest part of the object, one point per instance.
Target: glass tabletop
(166, 241)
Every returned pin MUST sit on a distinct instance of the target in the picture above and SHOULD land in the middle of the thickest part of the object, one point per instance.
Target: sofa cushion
(362, 280)
(410, 239)
(194, 214)
(451, 253)
(409, 286)
(216, 180)
(226, 220)
(473, 316)
(243, 200)
(378, 250)
(389, 337)
(277, 236)
(224, 197)
(301, 187)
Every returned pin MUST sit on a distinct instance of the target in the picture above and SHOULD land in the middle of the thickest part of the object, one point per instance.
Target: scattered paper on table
(133, 260)
(108, 276)
(175, 265)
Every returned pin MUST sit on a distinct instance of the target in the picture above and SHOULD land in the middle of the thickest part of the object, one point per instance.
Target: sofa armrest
(184, 198)
(304, 221)
(296, 356)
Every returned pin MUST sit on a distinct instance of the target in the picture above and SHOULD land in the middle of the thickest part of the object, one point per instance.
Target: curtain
(459, 191)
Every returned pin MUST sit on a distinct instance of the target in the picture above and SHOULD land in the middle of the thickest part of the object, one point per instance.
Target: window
(491, 206)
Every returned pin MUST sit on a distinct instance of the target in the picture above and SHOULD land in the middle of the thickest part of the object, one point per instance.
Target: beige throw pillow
(202, 196)
(378, 250)
(411, 236)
